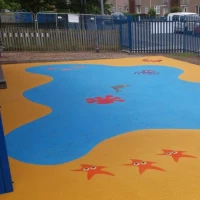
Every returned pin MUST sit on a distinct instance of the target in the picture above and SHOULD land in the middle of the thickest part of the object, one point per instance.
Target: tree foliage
(152, 12)
(10, 5)
(74, 6)
(91, 6)
(34, 5)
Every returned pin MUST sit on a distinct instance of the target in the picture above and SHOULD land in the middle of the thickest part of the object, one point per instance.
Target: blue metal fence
(45, 20)
(160, 36)
(86, 22)
(141, 34)
(24, 17)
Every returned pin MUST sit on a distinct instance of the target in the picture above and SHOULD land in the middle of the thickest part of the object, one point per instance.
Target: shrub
(175, 9)
(152, 12)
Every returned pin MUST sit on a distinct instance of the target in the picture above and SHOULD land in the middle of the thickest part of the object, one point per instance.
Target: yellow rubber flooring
(133, 168)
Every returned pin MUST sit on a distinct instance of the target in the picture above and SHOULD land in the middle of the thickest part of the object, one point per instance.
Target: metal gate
(155, 35)
(125, 34)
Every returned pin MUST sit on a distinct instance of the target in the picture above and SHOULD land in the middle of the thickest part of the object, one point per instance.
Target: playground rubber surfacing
(104, 129)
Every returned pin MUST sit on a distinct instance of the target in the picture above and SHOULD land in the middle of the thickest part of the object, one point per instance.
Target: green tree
(34, 5)
(91, 7)
(9, 4)
(152, 12)
(61, 6)
(166, 14)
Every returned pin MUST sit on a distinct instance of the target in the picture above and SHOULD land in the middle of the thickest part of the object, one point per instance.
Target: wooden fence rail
(18, 39)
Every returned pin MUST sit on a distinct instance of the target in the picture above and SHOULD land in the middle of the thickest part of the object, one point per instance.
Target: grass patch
(184, 55)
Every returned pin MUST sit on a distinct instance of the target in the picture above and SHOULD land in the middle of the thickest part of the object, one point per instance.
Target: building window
(165, 10)
(157, 9)
(164, 2)
(125, 8)
(198, 10)
(120, 9)
(113, 9)
(184, 8)
(185, 2)
(138, 9)
(146, 10)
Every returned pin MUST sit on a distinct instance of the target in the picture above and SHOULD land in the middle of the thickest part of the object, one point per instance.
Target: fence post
(184, 37)
(121, 32)
(35, 21)
(129, 20)
(56, 21)
(5, 176)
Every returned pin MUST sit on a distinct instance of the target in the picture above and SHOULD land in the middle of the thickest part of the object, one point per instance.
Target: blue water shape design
(74, 127)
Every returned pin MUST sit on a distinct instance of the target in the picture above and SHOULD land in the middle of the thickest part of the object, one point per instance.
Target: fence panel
(59, 40)
(45, 20)
(125, 33)
(152, 35)
(17, 20)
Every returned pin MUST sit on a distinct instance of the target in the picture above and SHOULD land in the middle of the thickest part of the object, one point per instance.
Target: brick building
(161, 6)
(119, 5)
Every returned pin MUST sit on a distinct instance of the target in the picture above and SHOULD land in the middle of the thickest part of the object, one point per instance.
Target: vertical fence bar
(167, 31)
(161, 37)
(159, 33)
(184, 37)
(56, 21)
(195, 38)
(120, 31)
(151, 35)
(155, 29)
(145, 43)
(134, 34)
(187, 45)
(138, 34)
(141, 34)
(130, 33)
(172, 35)
(170, 44)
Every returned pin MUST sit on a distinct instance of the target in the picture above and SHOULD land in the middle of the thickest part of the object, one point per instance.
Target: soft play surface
(107, 129)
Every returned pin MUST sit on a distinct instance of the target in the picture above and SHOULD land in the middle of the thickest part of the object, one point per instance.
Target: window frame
(157, 9)
(138, 9)
(146, 9)
(197, 10)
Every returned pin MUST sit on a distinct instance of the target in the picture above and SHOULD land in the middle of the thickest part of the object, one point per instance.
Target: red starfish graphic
(175, 154)
(147, 60)
(93, 170)
(143, 165)
(104, 100)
